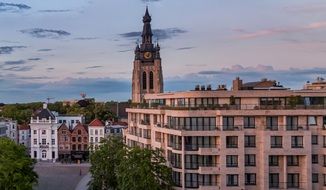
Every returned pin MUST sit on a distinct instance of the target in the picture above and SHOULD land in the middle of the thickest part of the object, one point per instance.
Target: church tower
(147, 74)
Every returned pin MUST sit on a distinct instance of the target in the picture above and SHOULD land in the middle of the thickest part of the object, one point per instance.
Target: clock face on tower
(147, 55)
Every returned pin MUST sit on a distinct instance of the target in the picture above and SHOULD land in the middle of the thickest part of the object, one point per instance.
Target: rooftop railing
(226, 107)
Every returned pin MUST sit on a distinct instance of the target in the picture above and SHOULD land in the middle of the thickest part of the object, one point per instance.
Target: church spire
(147, 29)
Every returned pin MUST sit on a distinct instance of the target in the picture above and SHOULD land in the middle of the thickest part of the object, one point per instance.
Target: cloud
(161, 34)
(306, 8)
(45, 33)
(122, 51)
(55, 11)
(9, 49)
(94, 67)
(148, 1)
(86, 38)
(12, 7)
(186, 48)
(34, 59)
(19, 68)
(276, 31)
(19, 62)
(44, 50)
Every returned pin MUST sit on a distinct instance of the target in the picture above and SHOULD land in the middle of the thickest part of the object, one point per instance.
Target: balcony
(226, 107)
(191, 128)
(214, 169)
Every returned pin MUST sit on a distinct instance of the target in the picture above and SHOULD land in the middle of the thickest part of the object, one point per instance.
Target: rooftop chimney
(237, 84)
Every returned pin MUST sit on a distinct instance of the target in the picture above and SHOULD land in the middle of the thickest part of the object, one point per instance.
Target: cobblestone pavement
(57, 176)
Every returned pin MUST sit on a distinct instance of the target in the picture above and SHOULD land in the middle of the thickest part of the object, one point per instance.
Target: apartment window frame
(276, 141)
(228, 123)
(249, 122)
(274, 180)
(297, 141)
(250, 159)
(272, 123)
(312, 120)
(314, 158)
(293, 180)
(232, 161)
(232, 141)
(250, 141)
(250, 179)
(315, 178)
(314, 139)
(273, 160)
(292, 123)
(232, 180)
(292, 160)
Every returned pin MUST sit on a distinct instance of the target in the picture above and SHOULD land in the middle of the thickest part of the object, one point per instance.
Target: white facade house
(114, 128)
(24, 136)
(8, 128)
(70, 120)
(44, 137)
(96, 131)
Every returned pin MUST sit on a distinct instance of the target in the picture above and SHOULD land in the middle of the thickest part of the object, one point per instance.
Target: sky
(62, 48)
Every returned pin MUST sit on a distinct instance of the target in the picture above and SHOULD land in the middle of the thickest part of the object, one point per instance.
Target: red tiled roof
(96, 123)
(23, 127)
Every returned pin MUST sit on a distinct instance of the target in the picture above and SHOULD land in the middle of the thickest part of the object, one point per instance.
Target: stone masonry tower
(147, 74)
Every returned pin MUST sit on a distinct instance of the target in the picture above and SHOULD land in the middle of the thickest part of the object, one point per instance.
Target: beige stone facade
(264, 137)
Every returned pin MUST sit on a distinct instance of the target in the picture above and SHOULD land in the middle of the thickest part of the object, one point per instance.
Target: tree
(104, 162)
(16, 168)
(143, 169)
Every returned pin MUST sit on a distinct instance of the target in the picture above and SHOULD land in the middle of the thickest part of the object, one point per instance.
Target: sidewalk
(82, 185)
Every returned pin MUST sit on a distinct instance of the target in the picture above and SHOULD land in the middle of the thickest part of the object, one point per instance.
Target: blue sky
(64, 47)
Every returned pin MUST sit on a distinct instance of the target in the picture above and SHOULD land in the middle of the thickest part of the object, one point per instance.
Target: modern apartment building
(258, 135)
(8, 128)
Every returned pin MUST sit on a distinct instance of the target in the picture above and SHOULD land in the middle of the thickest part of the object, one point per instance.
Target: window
(96, 139)
(43, 141)
(324, 141)
(91, 131)
(53, 154)
(324, 176)
(272, 122)
(231, 161)
(151, 80)
(250, 160)
(35, 141)
(52, 132)
(314, 158)
(250, 179)
(273, 180)
(73, 147)
(35, 132)
(43, 153)
(292, 123)
(249, 122)
(315, 177)
(92, 140)
(324, 156)
(293, 180)
(273, 160)
(43, 132)
(314, 139)
(292, 160)
(250, 141)
(276, 141)
(231, 142)
(232, 179)
(144, 81)
(96, 132)
(176, 177)
(53, 141)
(191, 180)
(312, 120)
(297, 141)
(35, 154)
(79, 139)
(228, 123)
(73, 139)
(79, 132)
